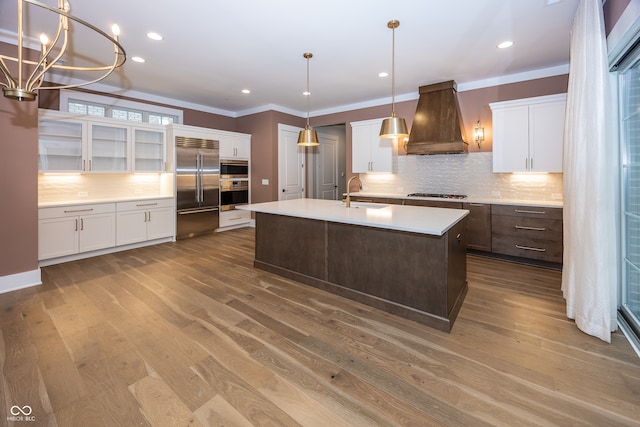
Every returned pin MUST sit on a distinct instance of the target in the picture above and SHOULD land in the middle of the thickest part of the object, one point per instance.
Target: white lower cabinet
(143, 220)
(74, 229)
(234, 218)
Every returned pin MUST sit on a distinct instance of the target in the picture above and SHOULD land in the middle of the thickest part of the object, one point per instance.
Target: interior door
(326, 169)
(291, 164)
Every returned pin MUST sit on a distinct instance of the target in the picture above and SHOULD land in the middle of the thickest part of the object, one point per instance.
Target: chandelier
(31, 73)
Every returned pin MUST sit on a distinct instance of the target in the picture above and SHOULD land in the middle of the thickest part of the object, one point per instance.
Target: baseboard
(26, 279)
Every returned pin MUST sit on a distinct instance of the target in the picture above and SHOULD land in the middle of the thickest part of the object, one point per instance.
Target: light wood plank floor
(189, 333)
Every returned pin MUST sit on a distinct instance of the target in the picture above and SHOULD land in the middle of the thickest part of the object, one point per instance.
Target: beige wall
(18, 186)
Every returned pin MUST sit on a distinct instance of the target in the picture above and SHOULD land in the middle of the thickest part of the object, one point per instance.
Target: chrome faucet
(347, 200)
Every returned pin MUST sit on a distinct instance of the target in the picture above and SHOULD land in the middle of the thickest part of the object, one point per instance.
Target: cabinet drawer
(234, 217)
(144, 204)
(527, 211)
(545, 250)
(524, 227)
(76, 210)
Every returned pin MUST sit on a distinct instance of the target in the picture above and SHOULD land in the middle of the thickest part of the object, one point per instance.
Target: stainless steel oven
(233, 193)
(234, 169)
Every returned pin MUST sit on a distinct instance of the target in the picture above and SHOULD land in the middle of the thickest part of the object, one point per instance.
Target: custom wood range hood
(437, 124)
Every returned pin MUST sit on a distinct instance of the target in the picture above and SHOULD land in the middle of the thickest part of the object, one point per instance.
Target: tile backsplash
(469, 174)
(77, 187)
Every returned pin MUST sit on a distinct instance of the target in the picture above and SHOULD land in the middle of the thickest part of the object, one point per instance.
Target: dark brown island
(406, 260)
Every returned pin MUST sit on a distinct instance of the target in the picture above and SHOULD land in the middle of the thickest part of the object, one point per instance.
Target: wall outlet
(556, 196)
(83, 194)
(265, 181)
(137, 191)
(365, 188)
(400, 189)
(495, 194)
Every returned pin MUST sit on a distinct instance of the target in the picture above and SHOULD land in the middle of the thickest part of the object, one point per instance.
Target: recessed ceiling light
(505, 44)
(305, 93)
(154, 36)
(246, 91)
(383, 74)
(138, 59)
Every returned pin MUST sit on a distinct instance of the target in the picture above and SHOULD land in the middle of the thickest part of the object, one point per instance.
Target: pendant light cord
(393, 71)
(308, 91)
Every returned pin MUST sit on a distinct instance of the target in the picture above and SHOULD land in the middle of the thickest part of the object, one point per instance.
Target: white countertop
(89, 201)
(487, 200)
(416, 219)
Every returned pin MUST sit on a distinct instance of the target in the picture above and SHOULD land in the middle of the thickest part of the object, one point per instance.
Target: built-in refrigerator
(197, 186)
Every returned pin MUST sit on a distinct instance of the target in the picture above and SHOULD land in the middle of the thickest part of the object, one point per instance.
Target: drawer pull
(476, 204)
(147, 204)
(527, 248)
(520, 227)
(79, 210)
(530, 212)
(235, 218)
(364, 200)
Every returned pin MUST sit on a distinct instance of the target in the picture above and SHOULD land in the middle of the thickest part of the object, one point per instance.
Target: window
(104, 106)
(629, 94)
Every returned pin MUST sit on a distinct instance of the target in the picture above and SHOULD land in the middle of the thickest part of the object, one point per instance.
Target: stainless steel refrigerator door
(209, 178)
(187, 178)
(197, 221)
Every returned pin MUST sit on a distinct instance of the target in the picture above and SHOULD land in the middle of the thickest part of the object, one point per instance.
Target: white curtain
(590, 271)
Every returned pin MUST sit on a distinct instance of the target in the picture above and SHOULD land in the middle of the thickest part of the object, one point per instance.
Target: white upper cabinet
(235, 146)
(369, 152)
(149, 150)
(528, 134)
(77, 143)
(61, 144)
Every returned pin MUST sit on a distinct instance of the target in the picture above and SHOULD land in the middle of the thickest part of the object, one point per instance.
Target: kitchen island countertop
(433, 221)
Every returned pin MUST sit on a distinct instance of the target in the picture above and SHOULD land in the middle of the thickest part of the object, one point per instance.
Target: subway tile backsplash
(79, 187)
(469, 174)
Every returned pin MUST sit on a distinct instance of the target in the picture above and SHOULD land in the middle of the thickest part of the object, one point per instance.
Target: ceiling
(212, 49)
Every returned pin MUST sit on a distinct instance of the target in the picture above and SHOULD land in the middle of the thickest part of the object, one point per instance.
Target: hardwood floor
(189, 333)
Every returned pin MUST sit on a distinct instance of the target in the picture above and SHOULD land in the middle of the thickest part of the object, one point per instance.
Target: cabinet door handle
(530, 212)
(520, 227)
(76, 224)
(149, 213)
(84, 164)
(528, 248)
(532, 163)
(90, 165)
(78, 210)
(81, 224)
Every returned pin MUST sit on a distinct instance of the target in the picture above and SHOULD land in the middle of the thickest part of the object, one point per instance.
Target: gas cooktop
(440, 196)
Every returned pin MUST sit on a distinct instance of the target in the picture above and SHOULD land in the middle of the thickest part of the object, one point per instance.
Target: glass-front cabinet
(76, 143)
(61, 145)
(149, 150)
(108, 148)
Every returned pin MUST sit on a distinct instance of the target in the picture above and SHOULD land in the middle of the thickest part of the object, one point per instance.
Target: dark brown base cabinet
(417, 276)
(526, 232)
(478, 226)
(533, 232)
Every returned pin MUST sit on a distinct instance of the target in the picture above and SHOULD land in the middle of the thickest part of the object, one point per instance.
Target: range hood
(437, 125)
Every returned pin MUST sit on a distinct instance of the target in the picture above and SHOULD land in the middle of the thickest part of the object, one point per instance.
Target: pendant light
(393, 127)
(308, 137)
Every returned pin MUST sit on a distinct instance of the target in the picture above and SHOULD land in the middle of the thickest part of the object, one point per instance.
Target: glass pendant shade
(308, 137)
(394, 127)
